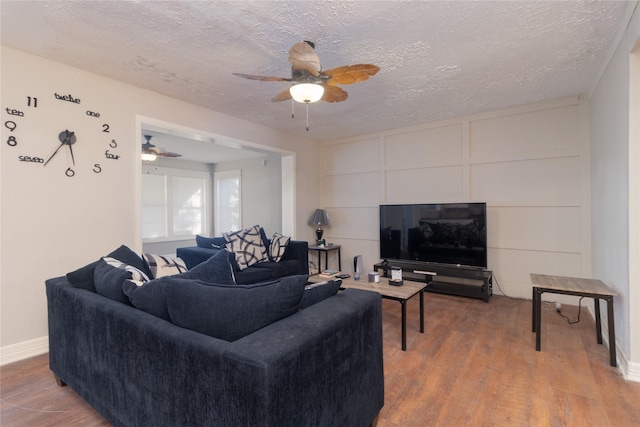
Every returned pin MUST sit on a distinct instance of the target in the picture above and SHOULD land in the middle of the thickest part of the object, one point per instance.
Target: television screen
(448, 233)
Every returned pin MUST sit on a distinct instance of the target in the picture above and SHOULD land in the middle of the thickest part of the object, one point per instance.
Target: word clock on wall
(61, 133)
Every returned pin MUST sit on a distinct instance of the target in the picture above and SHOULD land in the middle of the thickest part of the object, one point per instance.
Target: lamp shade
(306, 92)
(320, 217)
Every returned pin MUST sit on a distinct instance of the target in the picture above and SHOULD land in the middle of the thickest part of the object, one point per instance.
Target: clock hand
(72, 158)
(54, 153)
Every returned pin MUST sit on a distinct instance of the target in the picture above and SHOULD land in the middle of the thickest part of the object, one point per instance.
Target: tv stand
(444, 278)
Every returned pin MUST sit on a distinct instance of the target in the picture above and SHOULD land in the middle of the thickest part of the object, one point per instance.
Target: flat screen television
(446, 233)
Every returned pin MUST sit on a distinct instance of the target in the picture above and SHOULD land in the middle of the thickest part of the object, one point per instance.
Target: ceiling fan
(310, 83)
(150, 152)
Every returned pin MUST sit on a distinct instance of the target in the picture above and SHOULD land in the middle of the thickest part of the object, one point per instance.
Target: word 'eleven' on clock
(93, 133)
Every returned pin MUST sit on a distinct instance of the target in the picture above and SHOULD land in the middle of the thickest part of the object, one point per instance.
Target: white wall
(616, 191)
(529, 164)
(261, 191)
(52, 224)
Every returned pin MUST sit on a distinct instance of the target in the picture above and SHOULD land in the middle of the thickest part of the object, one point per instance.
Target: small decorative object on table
(396, 276)
(374, 277)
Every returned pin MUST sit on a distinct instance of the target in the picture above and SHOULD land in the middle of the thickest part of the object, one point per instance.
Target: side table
(326, 249)
(591, 288)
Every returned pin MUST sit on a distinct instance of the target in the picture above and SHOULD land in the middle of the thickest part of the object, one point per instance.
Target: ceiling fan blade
(169, 154)
(334, 94)
(303, 56)
(282, 96)
(349, 74)
(262, 78)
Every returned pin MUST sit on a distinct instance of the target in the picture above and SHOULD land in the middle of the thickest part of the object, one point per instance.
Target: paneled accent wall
(530, 164)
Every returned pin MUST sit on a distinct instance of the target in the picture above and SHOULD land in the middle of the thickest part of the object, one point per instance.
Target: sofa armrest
(132, 367)
(298, 250)
(322, 366)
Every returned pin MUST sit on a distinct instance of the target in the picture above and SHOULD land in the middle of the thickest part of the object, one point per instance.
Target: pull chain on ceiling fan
(311, 84)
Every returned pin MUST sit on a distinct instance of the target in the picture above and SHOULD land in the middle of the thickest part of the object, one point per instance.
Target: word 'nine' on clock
(67, 98)
(108, 155)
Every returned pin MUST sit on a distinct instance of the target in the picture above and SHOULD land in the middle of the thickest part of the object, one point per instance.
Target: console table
(443, 278)
(579, 287)
(326, 249)
(402, 294)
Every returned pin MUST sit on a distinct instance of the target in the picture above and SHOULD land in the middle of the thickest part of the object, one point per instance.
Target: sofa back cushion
(216, 269)
(223, 311)
(109, 276)
(210, 242)
(316, 292)
(232, 312)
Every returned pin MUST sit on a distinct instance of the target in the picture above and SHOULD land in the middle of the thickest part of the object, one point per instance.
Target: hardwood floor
(475, 365)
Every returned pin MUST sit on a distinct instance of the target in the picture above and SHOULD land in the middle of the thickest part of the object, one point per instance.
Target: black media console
(443, 278)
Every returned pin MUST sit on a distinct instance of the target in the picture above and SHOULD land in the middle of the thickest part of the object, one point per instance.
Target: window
(174, 203)
(228, 201)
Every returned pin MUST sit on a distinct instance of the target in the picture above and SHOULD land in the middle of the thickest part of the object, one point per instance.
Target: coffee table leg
(422, 312)
(538, 315)
(533, 311)
(404, 325)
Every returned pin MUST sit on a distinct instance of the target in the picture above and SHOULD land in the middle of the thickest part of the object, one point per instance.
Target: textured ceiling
(437, 59)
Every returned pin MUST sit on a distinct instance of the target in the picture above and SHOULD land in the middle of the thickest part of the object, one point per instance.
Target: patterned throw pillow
(136, 274)
(278, 246)
(161, 266)
(247, 246)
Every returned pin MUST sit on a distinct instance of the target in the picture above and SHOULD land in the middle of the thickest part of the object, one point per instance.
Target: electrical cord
(569, 321)
(495, 280)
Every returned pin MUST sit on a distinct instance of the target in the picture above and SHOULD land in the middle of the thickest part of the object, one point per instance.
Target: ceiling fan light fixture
(148, 157)
(306, 93)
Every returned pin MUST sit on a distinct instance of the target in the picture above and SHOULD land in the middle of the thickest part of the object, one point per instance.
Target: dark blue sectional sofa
(316, 365)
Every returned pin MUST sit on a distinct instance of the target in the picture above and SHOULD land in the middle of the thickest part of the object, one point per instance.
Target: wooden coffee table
(402, 294)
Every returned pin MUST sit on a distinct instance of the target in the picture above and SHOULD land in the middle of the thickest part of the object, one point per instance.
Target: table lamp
(318, 219)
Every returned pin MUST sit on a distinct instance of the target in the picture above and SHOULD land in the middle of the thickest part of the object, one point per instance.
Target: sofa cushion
(110, 274)
(278, 246)
(232, 312)
(152, 295)
(216, 269)
(84, 276)
(228, 312)
(161, 266)
(316, 292)
(247, 245)
(210, 242)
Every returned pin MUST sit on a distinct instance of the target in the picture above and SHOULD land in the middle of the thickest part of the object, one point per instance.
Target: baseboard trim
(23, 350)
(631, 371)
